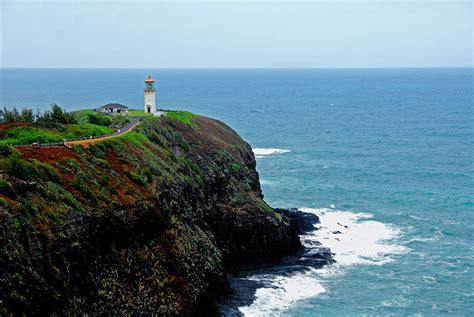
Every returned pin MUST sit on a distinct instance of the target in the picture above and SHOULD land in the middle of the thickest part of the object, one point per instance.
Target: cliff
(144, 223)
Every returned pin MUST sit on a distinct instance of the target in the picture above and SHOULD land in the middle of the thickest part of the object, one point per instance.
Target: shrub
(28, 170)
(102, 163)
(137, 178)
(45, 171)
(99, 119)
(233, 166)
(3, 202)
(5, 150)
(84, 188)
(16, 223)
(71, 164)
(6, 189)
(278, 216)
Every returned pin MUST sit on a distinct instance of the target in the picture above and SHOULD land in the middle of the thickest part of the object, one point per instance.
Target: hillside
(148, 222)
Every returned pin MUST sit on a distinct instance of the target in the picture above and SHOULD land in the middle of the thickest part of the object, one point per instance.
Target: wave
(282, 292)
(354, 239)
(262, 152)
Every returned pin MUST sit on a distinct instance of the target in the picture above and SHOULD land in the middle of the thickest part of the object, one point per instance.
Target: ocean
(383, 156)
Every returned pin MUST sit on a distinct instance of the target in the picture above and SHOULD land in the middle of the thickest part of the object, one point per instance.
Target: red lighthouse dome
(149, 80)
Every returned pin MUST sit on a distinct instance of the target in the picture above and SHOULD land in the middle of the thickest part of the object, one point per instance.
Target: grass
(185, 117)
(29, 134)
(85, 129)
(138, 113)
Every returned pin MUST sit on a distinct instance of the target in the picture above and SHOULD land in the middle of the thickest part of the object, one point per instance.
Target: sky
(236, 34)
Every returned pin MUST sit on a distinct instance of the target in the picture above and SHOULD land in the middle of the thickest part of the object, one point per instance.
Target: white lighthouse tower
(150, 106)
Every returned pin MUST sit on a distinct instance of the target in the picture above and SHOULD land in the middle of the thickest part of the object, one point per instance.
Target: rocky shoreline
(241, 290)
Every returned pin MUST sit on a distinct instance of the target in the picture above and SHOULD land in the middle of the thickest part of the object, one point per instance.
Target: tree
(10, 115)
(99, 119)
(56, 116)
(26, 115)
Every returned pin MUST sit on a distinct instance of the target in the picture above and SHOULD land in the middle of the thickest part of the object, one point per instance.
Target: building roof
(114, 106)
(150, 80)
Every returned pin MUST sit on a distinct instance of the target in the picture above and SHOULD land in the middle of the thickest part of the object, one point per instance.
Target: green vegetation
(99, 118)
(29, 134)
(138, 113)
(6, 189)
(135, 137)
(49, 127)
(25, 116)
(82, 116)
(85, 129)
(32, 169)
(55, 116)
(185, 117)
(233, 166)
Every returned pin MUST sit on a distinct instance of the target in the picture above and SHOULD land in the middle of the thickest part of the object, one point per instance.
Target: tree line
(54, 116)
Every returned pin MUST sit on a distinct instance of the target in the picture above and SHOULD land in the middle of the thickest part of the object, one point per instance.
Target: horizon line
(247, 68)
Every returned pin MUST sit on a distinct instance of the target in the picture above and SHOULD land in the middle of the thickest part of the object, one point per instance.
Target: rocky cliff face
(145, 223)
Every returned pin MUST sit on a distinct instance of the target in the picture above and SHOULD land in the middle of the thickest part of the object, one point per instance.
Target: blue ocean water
(386, 152)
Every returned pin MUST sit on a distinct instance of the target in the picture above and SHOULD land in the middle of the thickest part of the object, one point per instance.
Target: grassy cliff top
(82, 123)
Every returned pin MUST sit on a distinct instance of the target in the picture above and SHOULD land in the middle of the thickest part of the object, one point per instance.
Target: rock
(304, 222)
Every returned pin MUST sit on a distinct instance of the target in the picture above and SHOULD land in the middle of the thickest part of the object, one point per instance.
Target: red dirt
(11, 201)
(50, 155)
(120, 168)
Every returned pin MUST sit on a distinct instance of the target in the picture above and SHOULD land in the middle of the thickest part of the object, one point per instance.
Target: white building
(112, 108)
(149, 91)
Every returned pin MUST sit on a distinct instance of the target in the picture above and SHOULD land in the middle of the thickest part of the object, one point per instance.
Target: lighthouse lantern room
(149, 92)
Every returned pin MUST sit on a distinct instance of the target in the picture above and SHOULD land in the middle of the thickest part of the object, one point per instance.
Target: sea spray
(262, 152)
(354, 239)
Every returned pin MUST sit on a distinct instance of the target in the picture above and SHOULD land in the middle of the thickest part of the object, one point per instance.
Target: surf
(354, 238)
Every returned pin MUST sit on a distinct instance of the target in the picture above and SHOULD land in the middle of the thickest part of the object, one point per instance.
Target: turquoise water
(389, 153)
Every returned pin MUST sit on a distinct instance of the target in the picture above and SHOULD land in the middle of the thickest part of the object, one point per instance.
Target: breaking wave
(354, 239)
(262, 152)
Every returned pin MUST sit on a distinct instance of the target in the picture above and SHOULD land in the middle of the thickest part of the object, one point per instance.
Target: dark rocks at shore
(242, 293)
(242, 288)
(303, 221)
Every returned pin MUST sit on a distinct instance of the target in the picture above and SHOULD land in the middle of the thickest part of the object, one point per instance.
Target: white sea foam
(262, 152)
(283, 292)
(354, 238)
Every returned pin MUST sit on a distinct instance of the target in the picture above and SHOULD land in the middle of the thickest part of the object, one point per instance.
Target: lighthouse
(149, 92)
